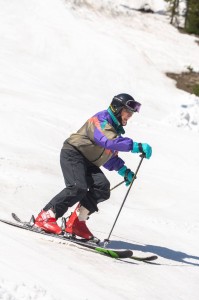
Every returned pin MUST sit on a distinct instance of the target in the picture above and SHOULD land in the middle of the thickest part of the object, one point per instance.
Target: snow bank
(22, 291)
(120, 7)
(187, 116)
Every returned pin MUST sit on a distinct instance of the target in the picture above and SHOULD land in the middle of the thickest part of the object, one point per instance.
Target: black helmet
(124, 101)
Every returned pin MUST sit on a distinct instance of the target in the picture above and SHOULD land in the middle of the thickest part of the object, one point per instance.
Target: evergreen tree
(192, 16)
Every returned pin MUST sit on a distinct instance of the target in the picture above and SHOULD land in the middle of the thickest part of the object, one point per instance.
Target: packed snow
(61, 62)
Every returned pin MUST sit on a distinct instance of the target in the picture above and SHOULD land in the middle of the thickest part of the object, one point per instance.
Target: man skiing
(95, 144)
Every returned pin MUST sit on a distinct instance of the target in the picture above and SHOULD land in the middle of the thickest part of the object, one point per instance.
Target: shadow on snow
(164, 252)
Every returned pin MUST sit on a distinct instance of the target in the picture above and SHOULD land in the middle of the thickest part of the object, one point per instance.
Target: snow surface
(60, 65)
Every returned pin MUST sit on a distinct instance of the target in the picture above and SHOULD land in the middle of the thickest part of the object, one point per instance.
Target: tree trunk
(186, 13)
(174, 10)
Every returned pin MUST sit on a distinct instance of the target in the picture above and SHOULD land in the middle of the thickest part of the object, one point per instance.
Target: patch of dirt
(186, 81)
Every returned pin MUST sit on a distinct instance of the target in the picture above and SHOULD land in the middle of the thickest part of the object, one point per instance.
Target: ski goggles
(133, 106)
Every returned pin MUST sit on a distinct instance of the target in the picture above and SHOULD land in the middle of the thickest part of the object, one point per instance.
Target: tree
(174, 10)
(192, 16)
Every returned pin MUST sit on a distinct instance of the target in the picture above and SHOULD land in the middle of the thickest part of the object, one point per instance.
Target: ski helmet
(124, 101)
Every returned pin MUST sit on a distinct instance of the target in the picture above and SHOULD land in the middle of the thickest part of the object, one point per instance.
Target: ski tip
(15, 217)
(145, 258)
(152, 257)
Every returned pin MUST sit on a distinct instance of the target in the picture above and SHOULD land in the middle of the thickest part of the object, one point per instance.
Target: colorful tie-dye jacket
(100, 140)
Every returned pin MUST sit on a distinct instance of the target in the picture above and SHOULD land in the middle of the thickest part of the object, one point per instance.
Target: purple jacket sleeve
(117, 144)
(114, 163)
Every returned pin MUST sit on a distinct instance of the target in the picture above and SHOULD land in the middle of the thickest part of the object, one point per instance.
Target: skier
(95, 144)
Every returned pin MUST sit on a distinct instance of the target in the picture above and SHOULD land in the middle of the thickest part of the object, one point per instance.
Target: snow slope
(58, 66)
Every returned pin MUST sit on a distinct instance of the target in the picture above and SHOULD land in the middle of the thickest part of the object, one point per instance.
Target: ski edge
(113, 253)
(144, 258)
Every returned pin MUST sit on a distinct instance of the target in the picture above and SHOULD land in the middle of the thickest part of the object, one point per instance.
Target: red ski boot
(76, 223)
(46, 221)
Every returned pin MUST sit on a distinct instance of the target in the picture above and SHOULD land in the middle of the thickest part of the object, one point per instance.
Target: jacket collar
(116, 124)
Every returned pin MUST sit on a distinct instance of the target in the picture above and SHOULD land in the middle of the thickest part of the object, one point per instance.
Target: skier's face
(125, 116)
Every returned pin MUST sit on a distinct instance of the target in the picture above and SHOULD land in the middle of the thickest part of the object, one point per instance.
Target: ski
(148, 258)
(89, 244)
(114, 253)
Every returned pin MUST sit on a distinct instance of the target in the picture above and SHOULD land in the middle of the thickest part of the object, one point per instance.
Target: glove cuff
(122, 171)
(135, 148)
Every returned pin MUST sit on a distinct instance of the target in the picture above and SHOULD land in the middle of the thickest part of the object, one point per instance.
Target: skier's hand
(143, 148)
(127, 174)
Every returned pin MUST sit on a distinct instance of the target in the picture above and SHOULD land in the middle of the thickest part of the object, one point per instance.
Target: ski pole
(117, 185)
(106, 241)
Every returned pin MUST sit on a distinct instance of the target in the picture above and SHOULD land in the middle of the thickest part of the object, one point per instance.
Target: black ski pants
(85, 183)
